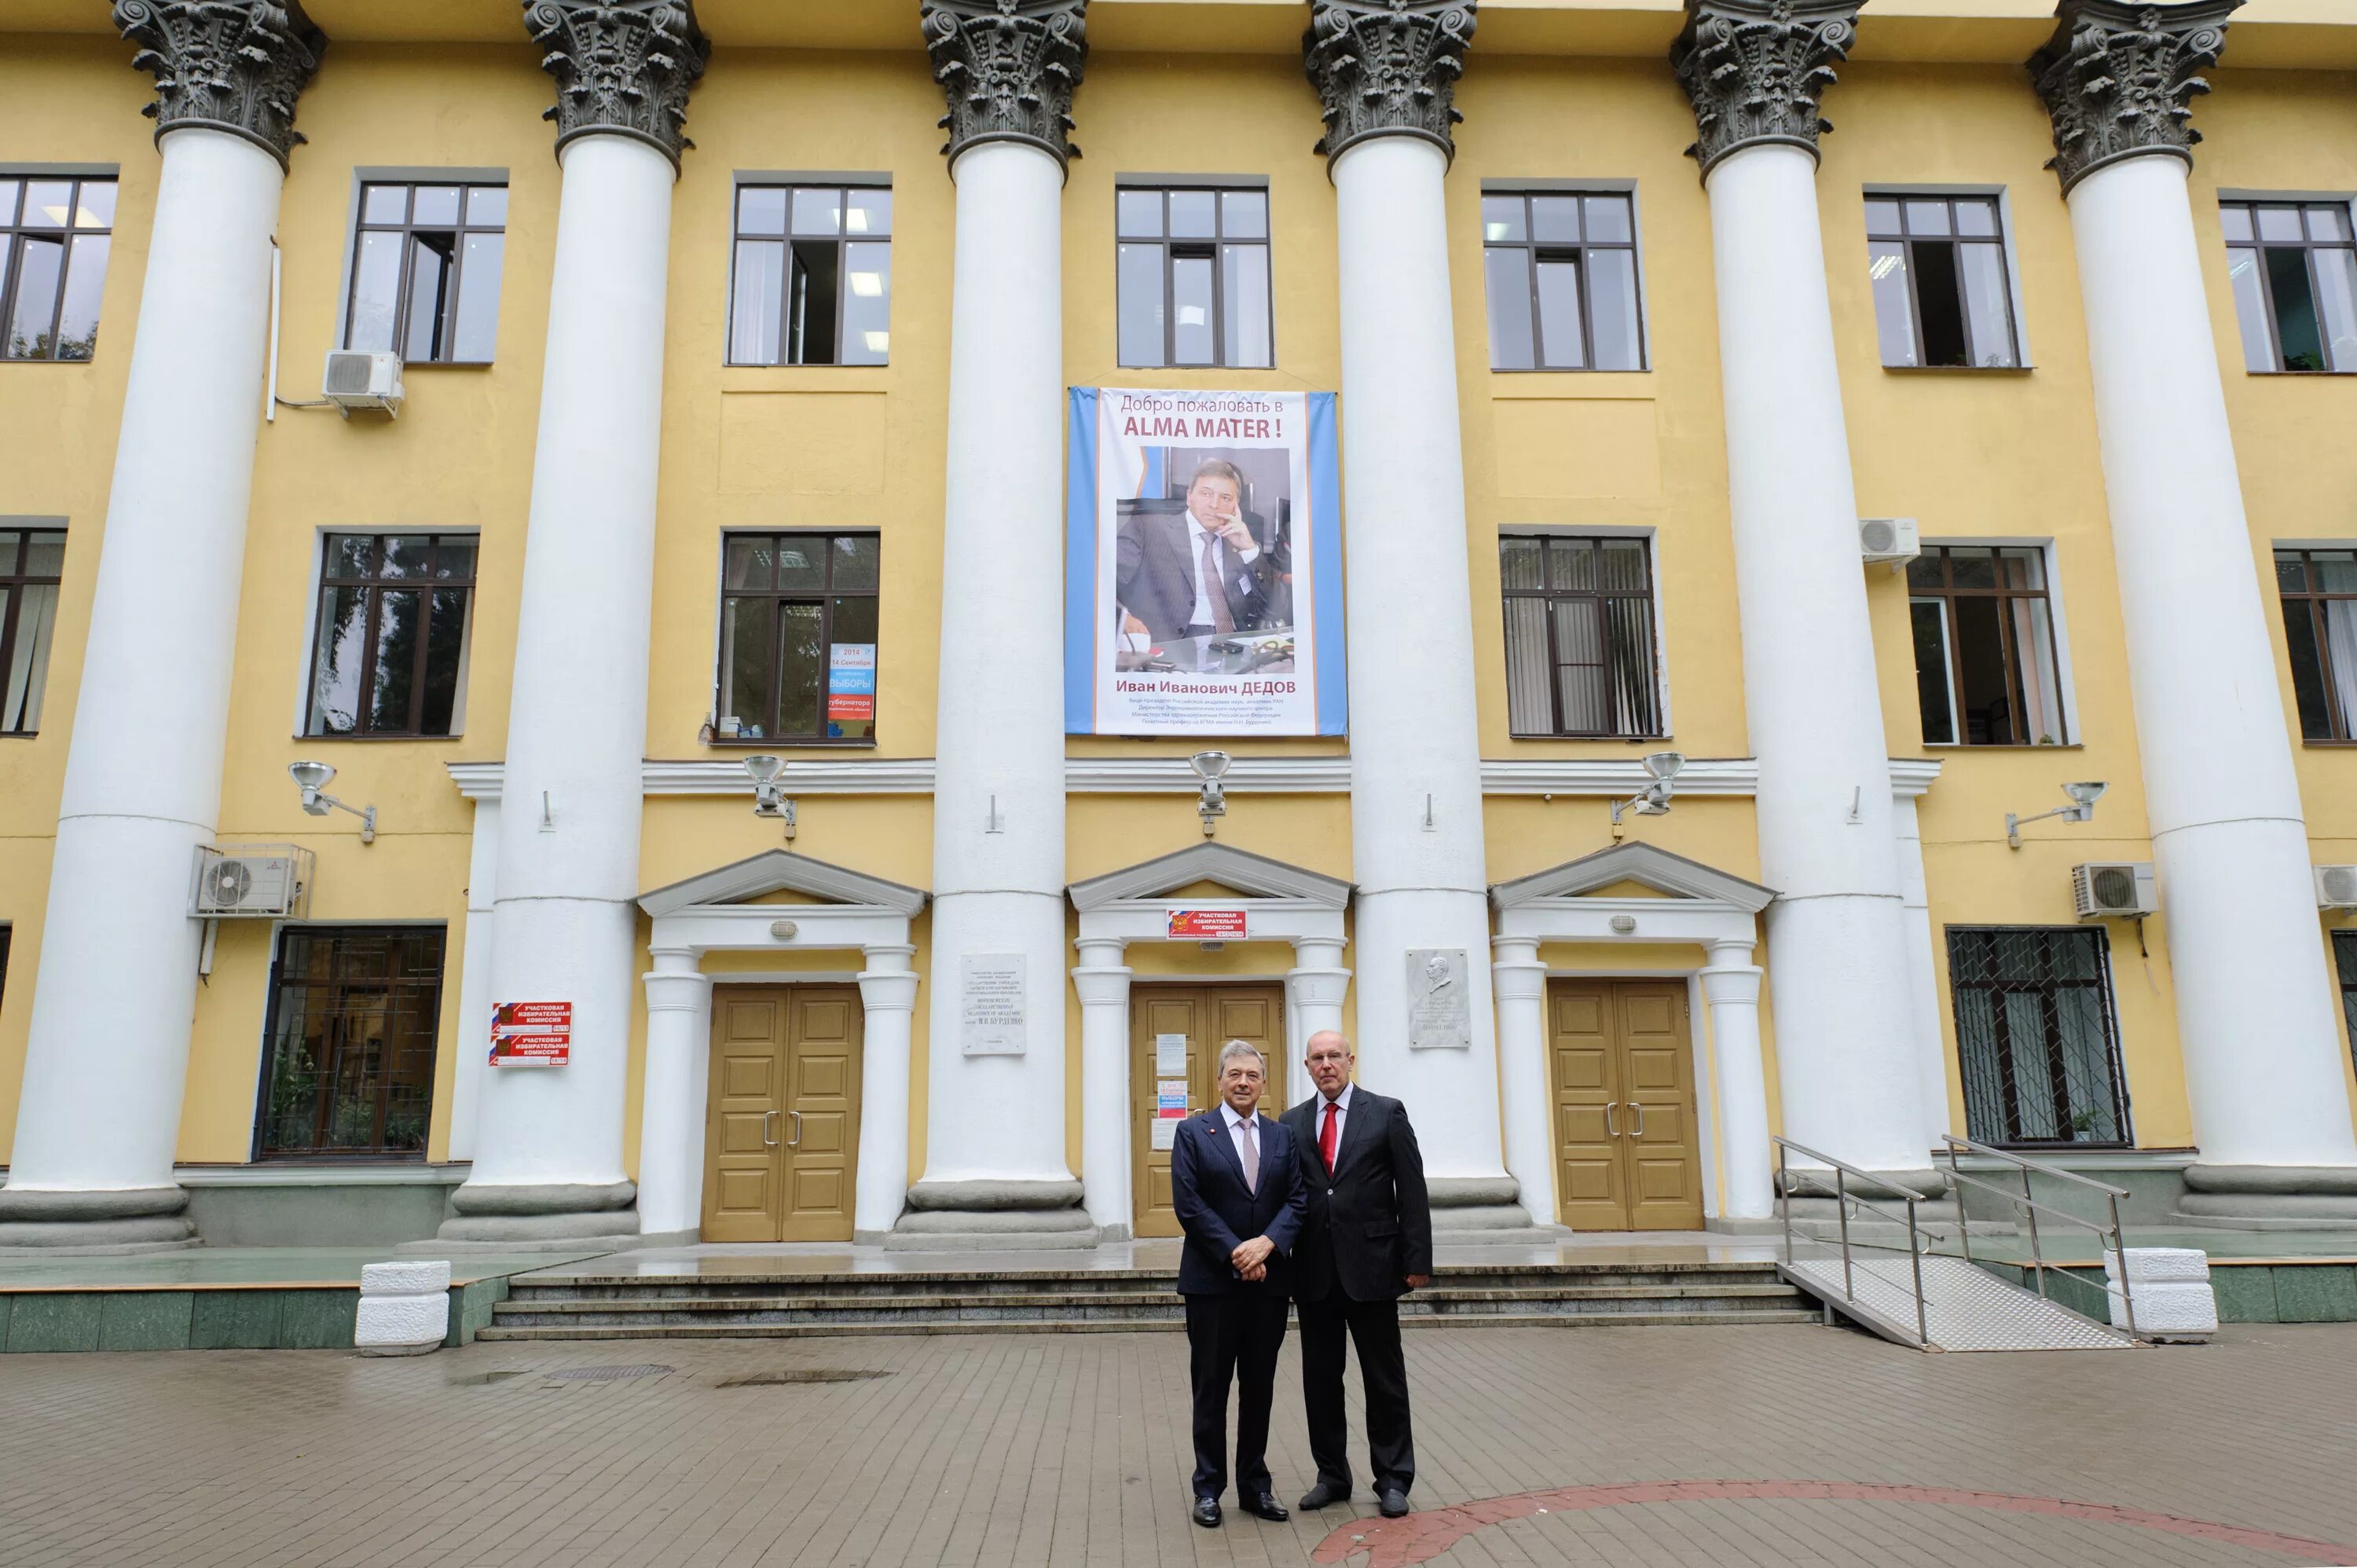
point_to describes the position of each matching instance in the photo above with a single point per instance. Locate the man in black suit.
(1199, 571)
(1236, 1184)
(1367, 1244)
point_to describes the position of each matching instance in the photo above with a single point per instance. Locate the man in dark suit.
(1236, 1184)
(1367, 1244)
(1199, 571)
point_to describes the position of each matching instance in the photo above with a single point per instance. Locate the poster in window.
(1203, 579)
(850, 685)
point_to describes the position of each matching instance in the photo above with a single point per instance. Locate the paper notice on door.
(1170, 1056)
(1162, 1136)
(1170, 1099)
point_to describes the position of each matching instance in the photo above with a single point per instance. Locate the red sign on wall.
(1207, 925)
(532, 1034)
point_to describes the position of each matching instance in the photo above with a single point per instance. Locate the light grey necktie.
(1251, 1157)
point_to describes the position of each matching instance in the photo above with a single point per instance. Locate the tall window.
(1985, 666)
(813, 277)
(2294, 274)
(2036, 1037)
(1191, 271)
(391, 655)
(1561, 272)
(2320, 611)
(31, 563)
(2344, 960)
(54, 239)
(426, 272)
(798, 637)
(347, 1064)
(1940, 296)
(1579, 637)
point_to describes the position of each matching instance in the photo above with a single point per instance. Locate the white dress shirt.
(1195, 534)
(1238, 1136)
(1341, 1103)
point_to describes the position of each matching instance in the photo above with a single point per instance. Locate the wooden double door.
(782, 1143)
(1206, 1017)
(1624, 1105)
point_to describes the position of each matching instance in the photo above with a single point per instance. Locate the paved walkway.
(1628, 1447)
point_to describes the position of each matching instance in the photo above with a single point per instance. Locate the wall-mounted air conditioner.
(1892, 538)
(2115, 889)
(2336, 886)
(353, 379)
(266, 881)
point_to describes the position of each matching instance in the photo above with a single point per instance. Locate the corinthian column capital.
(623, 67)
(1008, 69)
(1756, 69)
(1387, 68)
(2117, 78)
(227, 65)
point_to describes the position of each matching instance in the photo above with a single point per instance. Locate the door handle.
(1610, 1130)
(768, 1117)
(796, 1141)
(1639, 1131)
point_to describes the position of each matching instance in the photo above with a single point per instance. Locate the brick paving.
(1653, 1447)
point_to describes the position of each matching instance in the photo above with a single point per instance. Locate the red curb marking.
(1421, 1537)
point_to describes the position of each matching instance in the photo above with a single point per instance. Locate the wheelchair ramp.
(1965, 1307)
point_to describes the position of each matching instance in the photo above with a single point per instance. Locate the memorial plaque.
(991, 1000)
(1439, 1008)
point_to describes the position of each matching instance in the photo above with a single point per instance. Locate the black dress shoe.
(1207, 1512)
(1324, 1494)
(1392, 1501)
(1265, 1506)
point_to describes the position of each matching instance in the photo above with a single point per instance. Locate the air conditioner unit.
(1888, 539)
(355, 379)
(260, 881)
(2336, 886)
(2115, 889)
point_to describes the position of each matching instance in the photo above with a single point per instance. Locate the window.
(798, 637)
(31, 563)
(426, 272)
(2035, 1036)
(54, 239)
(1191, 271)
(1941, 294)
(2344, 963)
(1561, 272)
(811, 281)
(2320, 611)
(348, 1061)
(2294, 269)
(1579, 637)
(390, 658)
(1985, 666)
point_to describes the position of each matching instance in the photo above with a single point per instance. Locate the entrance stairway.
(587, 1306)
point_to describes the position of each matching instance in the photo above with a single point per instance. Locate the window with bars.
(55, 236)
(2294, 269)
(1986, 671)
(1941, 293)
(347, 1064)
(2320, 611)
(1560, 270)
(390, 655)
(2344, 960)
(1579, 636)
(32, 565)
(1190, 271)
(798, 638)
(2036, 1036)
(811, 279)
(425, 273)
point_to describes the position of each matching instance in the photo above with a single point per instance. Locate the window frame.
(1523, 190)
(2017, 331)
(374, 586)
(822, 597)
(2057, 643)
(2342, 723)
(13, 233)
(2344, 977)
(259, 1153)
(790, 181)
(2251, 202)
(13, 580)
(1218, 188)
(2106, 988)
(1595, 538)
(465, 181)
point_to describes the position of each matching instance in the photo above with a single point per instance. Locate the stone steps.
(1121, 1326)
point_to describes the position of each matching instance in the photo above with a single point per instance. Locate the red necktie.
(1327, 1138)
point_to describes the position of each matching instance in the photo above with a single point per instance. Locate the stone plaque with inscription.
(991, 1003)
(1439, 1010)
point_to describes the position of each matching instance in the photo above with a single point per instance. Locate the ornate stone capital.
(1386, 68)
(1008, 69)
(1756, 69)
(623, 67)
(228, 65)
(2117, 79)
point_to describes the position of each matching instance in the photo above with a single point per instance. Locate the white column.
(1846, 1037)
(1103, 982)
(1520, 982)
(1730, 985)
(470, 1066)
(888, 996)
(1314, 989)
(678, 1069)
(998, 784)
(115, 992)
(2254, 1005)
(1922, 971)
(1415, 755)
(567, 922)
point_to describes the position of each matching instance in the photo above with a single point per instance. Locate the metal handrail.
(2114, 1238)
(1843, 1170)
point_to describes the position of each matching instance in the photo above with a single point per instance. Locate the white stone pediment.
(1251, 875)
(1672, 876)
(781, 871)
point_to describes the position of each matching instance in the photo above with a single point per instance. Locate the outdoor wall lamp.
(2082, 808)
(1654, 799)
(769, 794)
(1213, 803)
(313, 777)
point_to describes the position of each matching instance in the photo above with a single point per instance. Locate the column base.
(552, 1218)
(993, 1217)
(1481, 1211)
(109, 1220)
(2269, 1198)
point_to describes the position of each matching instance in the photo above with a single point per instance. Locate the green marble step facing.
(2252, 1290)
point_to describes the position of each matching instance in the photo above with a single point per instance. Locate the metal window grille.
(347, 1067)
(1579, 636)
(2036, 1037)
(1191, 277)
(55, 236)
(2320, 612)
(2293, 268)
(798, 638)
